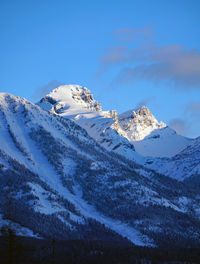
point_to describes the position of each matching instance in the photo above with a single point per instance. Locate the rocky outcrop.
(139, 124)
(86, 96)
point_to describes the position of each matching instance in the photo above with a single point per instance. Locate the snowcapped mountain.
(77, 103)
(57, 181)
(133, 130)
(150, 137)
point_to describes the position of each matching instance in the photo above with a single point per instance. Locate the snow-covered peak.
(149, 136)
(138, 124)
(70, 100)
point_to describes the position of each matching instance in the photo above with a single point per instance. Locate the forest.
(22, 250)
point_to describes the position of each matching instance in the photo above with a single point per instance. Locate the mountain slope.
(183, 166)
(58, 182)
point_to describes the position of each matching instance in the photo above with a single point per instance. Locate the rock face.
(111, 114)
(85, 96)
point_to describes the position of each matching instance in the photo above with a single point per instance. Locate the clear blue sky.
(126, 52)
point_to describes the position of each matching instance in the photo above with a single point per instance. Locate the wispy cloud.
(173, 64)
(190, 123)
(45, 89)
(179, 125)
(193, 109)
(129, 34)
(192, 115)
(144, 102)
(114, 55)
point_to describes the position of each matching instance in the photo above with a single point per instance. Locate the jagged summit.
(71, 100)
(139, 123)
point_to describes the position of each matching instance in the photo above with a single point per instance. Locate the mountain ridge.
(140, 128)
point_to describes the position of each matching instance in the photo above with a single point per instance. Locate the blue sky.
(128, 53)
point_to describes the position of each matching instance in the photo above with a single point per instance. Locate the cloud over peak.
(45, 89)
(179, 125)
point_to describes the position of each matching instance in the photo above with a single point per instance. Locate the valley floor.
(23, 250)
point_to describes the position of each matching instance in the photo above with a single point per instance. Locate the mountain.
(76, 102)
(149, 136)
(183, 167)
(129, 134)
(58, 182)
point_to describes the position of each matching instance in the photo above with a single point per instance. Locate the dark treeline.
(23, 250)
